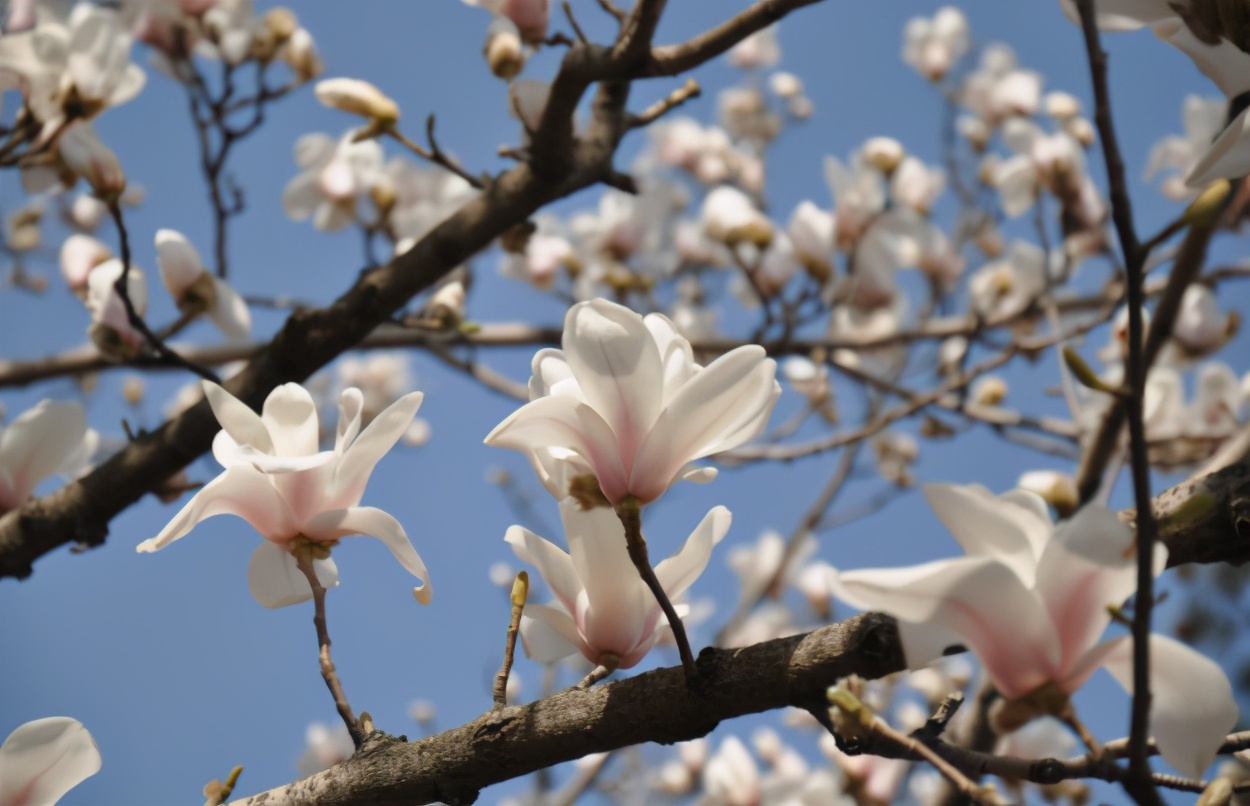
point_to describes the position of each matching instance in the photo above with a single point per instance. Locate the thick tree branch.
(657, 706)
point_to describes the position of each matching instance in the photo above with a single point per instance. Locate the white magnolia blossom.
(812, 232)
(767, 562)
(916, 185)
(324, 746)
(278, 480)
(110, 328)
(1008, 287)
(1053, 162)
(49, 439)
(625, 402)
(382, 378)
(1203, 120)
(548, 251)
(760, 49)
(1031, 600)
(333, 177)
(933, 45)
(232, 29)
(707, 153)
(42, 760)
(84, 155)
(732, 777)
(603, 609)
(413, 199)
(196, 290)
(83, 59)
(530, 17)
(80, 254)
(1201, 327)
(730, 217)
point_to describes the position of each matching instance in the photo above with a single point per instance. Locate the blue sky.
(167, 659)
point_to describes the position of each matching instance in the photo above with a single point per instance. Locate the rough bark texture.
(657, 706)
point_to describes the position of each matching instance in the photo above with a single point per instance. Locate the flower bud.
(281, 23)
(84, 155)
(132, 390)
(989, 391)
(503, 51)
(301, 54)
(358, 98)
(883, 153)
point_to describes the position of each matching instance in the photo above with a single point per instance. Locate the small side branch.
(662, 107)
(304, 561)
(520, 591)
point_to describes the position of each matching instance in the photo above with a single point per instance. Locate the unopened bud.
(301, 54)
(504, 54)
(132, 390)
(281, 22)
(989, 391)
(358, 98)
(883, 153)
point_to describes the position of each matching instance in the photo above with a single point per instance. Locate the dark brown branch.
(653, 707)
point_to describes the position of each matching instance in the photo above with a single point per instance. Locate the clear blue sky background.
(167, 659)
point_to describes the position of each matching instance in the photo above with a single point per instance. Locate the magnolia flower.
(110, 328)
(760, 49)
(1031, 600)
(85, 155)
(80, 254)
(324, 746)
(730, 217)
(625, 401)
(333, 175)
(812, 231)
(1007, 288)
(196, 290)
(1203, 119)
(48, 439)
(603, 609)
(998, 88)
(932, 46)
(44, 759)
(278, 481)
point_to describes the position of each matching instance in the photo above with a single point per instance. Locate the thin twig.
(662, 107)
(304, 561)
(434, 154)
(630, 513)
(1138, 785)
(520, 590)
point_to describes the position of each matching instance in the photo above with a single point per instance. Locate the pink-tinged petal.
(1192, 708)
(242, 491)
(988, 526)
(677, 573)
(561, 421)
(615, 610)
(243, 425)
(231, 314)
(375, 523)
(359, 458)
(924, 643)
(982, 600)
(38, 444)
(549, 635)
(552, 563)
(333, 216)
(290, 417)
(1227, 158)
(44, 759)
(719, 408)
(311, 149)
(617, 366)
(276, 581)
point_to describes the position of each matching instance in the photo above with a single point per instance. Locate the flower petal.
(230, 454)
(276, 581)
(1192, 708)
(678, 572)
(235, 417)
(242, 491)
(724, 405)
(551, 561)
(617, 367)
(290, 417)
(375, 523)
(231, 314)
(981, 599)
(359, 458)
(44, 759)
(39, 443)
(548, 634)
(989, 526)
(1228, 157)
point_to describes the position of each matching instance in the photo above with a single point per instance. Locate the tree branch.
(657, 706)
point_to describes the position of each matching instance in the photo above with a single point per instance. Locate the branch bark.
(658, 706)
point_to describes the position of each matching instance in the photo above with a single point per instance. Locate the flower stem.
(630, 514)
(303, 561)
